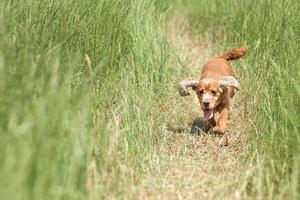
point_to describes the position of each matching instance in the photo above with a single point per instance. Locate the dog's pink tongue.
(208, 114)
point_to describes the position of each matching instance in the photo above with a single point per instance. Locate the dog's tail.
(234, 53)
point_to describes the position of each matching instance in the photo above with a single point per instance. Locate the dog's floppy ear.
(229, 81)
(185, 84)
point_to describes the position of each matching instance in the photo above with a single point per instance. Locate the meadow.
(271, 30)
(86, 88)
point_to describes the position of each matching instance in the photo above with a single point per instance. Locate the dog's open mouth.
(208, 114)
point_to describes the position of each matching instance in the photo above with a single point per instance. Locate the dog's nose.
(206, 104)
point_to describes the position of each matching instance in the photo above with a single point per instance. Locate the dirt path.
(195, 166)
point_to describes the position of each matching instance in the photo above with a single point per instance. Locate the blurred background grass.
(82, 80)
(77, 79)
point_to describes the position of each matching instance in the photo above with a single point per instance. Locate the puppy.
(215, 88)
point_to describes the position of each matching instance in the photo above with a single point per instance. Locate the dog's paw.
(218, 130)
(223, 141)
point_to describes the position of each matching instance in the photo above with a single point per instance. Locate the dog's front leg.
(212, 122)
(223, 121)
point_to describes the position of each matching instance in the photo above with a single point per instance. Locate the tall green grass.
(271, 79)
(81, 81)
(78, 80)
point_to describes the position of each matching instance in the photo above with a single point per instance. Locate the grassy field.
(271, 76)
(87, 90)
(79, 81)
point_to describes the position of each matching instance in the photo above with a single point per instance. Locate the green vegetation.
(77, 77)
(83, 82)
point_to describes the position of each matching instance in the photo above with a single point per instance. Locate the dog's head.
(209, 92)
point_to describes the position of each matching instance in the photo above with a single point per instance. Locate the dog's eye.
(213, 92)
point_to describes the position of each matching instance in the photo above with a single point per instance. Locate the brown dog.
(215, 88)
